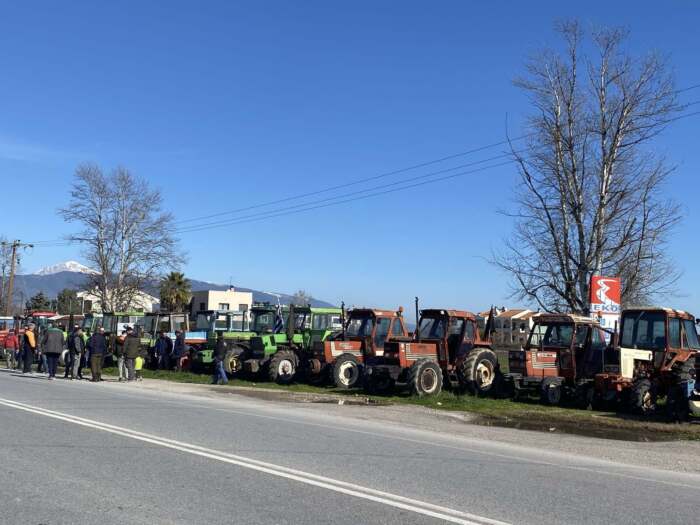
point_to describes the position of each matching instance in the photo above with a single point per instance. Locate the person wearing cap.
(119, 352)
(132, 350)
(97, 346)
(28, 348)
(52, 343)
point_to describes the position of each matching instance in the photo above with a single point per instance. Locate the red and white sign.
(605, 300)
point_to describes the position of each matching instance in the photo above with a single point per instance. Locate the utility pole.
(14, 245)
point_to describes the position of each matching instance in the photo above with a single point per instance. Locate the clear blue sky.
(233, 103)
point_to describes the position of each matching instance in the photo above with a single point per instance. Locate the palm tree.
(175, 292)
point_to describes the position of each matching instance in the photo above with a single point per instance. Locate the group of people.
(21, 351)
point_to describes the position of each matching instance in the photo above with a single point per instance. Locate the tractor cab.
(263, 318)
(452, 332)
(90, 324)
(222, 321)
(657, 352)
(372, 328)
(567, 346)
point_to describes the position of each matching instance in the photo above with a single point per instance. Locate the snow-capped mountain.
(67, 266)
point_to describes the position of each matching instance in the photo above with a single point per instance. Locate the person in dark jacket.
(97, 345)
(180, 349)
(28, 348)
(78, 351)
(163, 349)
(132, 349)
(71, 354)
(219, 355)
(52, 343)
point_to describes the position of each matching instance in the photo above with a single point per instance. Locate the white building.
(221, 300)
(143, 302)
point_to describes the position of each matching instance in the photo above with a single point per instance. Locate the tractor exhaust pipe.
(488, 328)
(417, 332)
(290, 323)
(342, 319)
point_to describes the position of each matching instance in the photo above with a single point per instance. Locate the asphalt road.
(77, 452)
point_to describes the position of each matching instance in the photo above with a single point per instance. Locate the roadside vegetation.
(527, 414)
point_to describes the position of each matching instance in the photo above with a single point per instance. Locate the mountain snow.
(67, 266)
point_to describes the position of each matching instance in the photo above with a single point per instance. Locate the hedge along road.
(167, 457)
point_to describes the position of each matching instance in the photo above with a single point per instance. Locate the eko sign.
(605, 300)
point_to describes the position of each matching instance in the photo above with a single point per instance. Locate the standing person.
(28, 348)
(179, 350)
(219, 354)
(11, 347)
(132, 350)
(97, 346)
(52, 343)
(79, 350)
(70, 356)
(163, 348)
(121, 361)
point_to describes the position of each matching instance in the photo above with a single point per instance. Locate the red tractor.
(655, 359)
(342, 357)
(446, 346)
(561, 358)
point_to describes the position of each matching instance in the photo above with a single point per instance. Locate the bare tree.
(301, 298)
(128, 239)
(591, 199)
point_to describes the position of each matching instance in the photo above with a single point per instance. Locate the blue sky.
(223, 105)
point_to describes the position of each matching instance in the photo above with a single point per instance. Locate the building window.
(224, 306)
(242, 307)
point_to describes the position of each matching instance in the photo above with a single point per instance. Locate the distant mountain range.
(71, 274)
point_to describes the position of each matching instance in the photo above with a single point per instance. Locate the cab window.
(581, 335)
(691, 335)
(397, 328)
(382, 330)
(674, 332)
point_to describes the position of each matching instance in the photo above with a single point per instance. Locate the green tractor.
(279, 355)
(237, 329)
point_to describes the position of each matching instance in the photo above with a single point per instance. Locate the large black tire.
(425, 378)
(232, 362)
(642, 397)
(347, 371)
(283, 367)
(480, 373)
(550, 391)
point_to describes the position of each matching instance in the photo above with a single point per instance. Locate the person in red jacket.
(11, 349)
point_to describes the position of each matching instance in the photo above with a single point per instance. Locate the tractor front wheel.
(232, 362)
(642, 397)
(347, 372)
(550, 391)
(283, 367)
(480, 372)
(425, 378)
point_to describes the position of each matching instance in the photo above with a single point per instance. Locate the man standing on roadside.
(180, 349)
(132, 349)
(119, 352)
(52, 345)
(79, 350)
(163, 349)
(97, 345)
(219, 354)
(28, 348)
(11, 347)
(70, 356)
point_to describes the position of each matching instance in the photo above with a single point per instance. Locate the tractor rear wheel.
(480, 372)
(283, 367)
(550, 391)
(347, 372)
(642, 397)
(232, 362)
(425, 378)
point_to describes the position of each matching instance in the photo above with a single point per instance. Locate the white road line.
(350, 489)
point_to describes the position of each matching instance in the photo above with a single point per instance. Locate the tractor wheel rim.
(646, 400)
(348, 373)
(285, 367)
(484, 373)
(428, 381)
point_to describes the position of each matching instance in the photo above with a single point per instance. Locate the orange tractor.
(446, 347)
(655, 359)
(563, 354)
(365, 333)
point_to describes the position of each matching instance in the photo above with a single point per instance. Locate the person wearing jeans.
(121, 360)
(219, 355)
